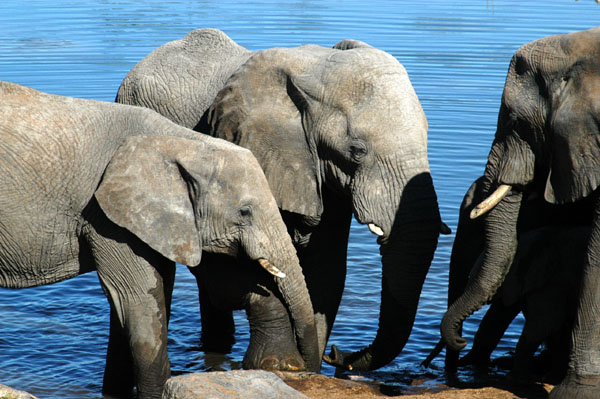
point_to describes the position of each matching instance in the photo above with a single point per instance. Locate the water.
(53, 338)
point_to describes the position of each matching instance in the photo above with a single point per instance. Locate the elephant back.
(180, 79)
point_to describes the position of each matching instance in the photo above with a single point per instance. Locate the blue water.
(53, 338)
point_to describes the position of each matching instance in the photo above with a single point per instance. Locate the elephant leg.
(218, 326)
(119, 379)
(583, 375)
(491, 329)
(135, 278)
(324, 265)
(531, 338)
(272, 339)
(558, 346)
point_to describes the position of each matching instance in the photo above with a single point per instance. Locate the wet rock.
(7, 392)
(247, 384)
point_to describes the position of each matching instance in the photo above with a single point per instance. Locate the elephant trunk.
(295, 294)
(468, 245)
(406, 256)
(500, 244)
(279, 258)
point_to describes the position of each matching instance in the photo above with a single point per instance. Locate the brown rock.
(318, 386)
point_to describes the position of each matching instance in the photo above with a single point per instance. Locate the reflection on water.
(53, 338)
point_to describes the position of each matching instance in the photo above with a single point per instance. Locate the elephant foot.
(275, 363)
(287, 364)
(577, 387)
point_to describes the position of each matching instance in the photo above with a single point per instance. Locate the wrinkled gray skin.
(92, 185)
(543, 283)
(547, 144)
(339, 132)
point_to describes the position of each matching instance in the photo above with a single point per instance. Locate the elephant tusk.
(490, 201)
(375, 230)
(268, 266)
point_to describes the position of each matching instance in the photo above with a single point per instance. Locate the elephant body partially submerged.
(88, 185)
(339, 132)
(547, 144)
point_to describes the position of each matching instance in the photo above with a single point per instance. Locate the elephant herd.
(297, 142)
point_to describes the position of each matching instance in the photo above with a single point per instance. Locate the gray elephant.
(89, 185)
(546, 144)
(338, 132)
(543, 284)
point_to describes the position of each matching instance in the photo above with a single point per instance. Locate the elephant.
(91, 185)
(339, 132)
(542, 283)
(546, 145)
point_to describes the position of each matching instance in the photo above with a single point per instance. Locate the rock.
(247, 384)
(7, 392)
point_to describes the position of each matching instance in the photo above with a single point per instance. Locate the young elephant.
(91, 185)
(339, 132)
(543, 283)
(546, 145)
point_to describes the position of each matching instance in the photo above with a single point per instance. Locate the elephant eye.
(358, 150)
(246, 211)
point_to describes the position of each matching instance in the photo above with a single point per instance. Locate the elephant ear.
(268, 106)
(147, 191)
(565, 69)
(575, 167)
(575, 135)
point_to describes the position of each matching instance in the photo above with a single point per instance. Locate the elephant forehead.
(391, 107)
(583, 44)
(577, 110)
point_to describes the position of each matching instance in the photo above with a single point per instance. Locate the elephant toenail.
(292, 364)
(269, 363)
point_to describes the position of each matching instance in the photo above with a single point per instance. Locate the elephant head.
(547, 143)
(348, 121)
(206, 196)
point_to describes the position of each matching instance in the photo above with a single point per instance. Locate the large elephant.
(546, 144)
(339, 132)
(89, 185)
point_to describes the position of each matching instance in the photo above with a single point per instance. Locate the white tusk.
(490, 201)
(375, 230)
(268, 266)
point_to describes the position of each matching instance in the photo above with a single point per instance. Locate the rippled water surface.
(53, 338)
